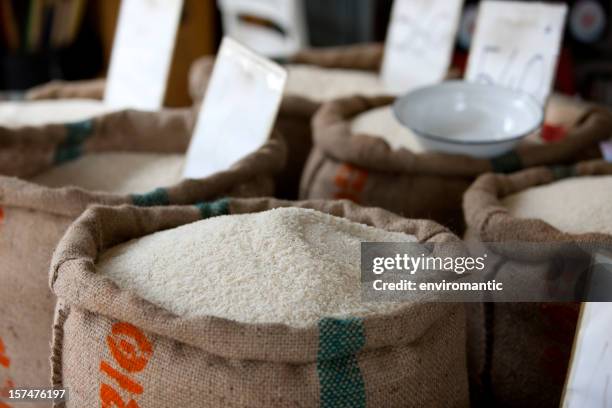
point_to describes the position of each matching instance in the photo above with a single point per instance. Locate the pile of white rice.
(574, 205)
(382, 122)
(286, 265)
(121, 173)
(37, 113)
(324, 84)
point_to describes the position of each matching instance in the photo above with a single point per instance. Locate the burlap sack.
(33, 217)
(519, 352)
(296, 112)
(430, 185)
(413, 357)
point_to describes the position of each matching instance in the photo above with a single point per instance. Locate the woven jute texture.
(412, 357)
(519, 352)
(363, 168)
(34, 217)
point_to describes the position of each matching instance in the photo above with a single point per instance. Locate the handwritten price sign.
(419, 43)
(516, 45)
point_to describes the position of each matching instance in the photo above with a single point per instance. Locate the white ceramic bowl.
(469, 118)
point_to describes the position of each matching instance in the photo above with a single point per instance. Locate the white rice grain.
(38, 113)
(121, 173)
(574, 205)
(382, 122)
(287, 265)
(324, 84)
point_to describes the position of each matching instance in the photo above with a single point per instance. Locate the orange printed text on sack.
(131, 351)
(350, 182)
(7, 384)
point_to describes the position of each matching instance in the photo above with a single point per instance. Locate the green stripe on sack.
(214, 208)
(340, 378)
(159, 196)
(72, 146)
(507, 163)
(562, 172)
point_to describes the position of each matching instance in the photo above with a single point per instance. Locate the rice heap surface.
(382, 122)
(117, 172)
(37, 113)
(575, 205)
(323, 84)
(286, 265)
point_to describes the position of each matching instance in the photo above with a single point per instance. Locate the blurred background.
(41, 40)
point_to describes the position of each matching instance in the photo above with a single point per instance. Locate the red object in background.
(552, 133)
(459, 61)
(564, 81)
(562, 319)
(555, 361)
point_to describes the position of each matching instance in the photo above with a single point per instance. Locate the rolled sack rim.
(333, 136)
(492, 222)
(66, 144)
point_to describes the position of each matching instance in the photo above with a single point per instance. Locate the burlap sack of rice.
(519, 352)
(315, 76)
(51, 174)
(249, 318)
(362, 154)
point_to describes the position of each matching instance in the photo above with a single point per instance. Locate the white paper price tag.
(516, 45)
(419, 43)
(589, 383)
(238, 112)
(590, 380)
(142, 53)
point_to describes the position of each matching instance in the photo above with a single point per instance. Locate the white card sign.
(516, 45)
(280, 33)
(590, 379)
(589, 383)
(142, 53)
(419, 43)
(239, 110)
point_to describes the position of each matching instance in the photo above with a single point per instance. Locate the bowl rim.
(438, 138)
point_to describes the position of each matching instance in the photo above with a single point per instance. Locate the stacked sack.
(519, 352)
(246, 302)
(360, 153)
(51, 174)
